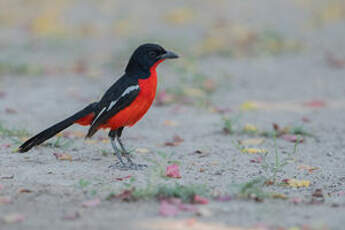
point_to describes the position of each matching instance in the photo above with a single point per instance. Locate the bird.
(122, 105)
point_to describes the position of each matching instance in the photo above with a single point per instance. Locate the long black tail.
(53, 130)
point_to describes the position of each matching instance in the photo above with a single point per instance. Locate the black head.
(146, 56)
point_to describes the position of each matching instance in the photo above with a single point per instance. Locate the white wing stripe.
(127, 91)
(100, 113)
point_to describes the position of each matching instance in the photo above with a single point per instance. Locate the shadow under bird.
(122, 105)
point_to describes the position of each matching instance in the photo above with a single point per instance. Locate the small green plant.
(300, 130)
(273, 168)
(14, 134)
(20, 68)
(20, 133)
(185, 192)
(253, 189)
(62, 142)
(83, 183)
(230, 123)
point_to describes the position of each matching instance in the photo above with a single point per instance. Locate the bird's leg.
(124, 151)
(112, 135)
(126, 154)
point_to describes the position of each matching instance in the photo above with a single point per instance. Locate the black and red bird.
(123, 104)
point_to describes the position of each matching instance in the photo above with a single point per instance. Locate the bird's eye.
(152, 54)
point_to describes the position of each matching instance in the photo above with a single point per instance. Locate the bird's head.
(147, 56)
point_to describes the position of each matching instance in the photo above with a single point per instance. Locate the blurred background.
(222, 44)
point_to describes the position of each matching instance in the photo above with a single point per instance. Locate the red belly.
(135, 111)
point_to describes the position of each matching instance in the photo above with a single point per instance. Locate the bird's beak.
(169, 55)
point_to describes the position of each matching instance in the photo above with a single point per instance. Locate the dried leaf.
(310, 169)
(5, 200)
(123, 178)
(170, 123)
(253, 150)
(249, 105)
(279, 196)
(252, 141)
(10, 111)
(318, 193)
(296, 183)
(221, 110)
(142, 150)
(91, 203)
(276, 127)
(177, 140)
(173, 171)
(257, 160)
(125, 195)
(24, 190)
(63, 156)
(334, 61)
(249, 128)
(13, 218)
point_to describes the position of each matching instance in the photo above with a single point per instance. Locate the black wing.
(118, 96)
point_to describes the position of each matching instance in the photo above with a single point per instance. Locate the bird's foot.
(127, 166)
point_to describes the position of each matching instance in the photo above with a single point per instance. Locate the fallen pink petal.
(173, 171)
(168, 209)
(315, 104)
(292, 138)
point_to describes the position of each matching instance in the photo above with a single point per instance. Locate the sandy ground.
(278, 84)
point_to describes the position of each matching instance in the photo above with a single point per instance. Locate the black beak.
(168, 55)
